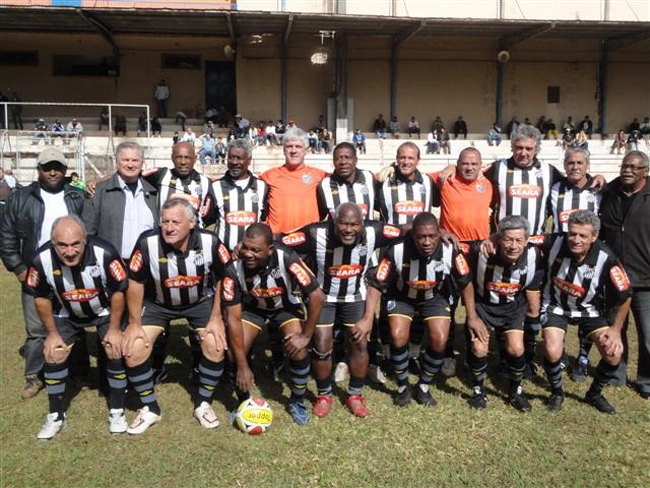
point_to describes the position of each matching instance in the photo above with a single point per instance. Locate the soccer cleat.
(554, 403)
(357, 405)
(298, 412)
(478, 400)
(600, 403)
(322, 405)
(519, 401)
(424, 397)
(403, 398)
(33, 385)
(206, 416)
(579, 373)
(530, 371)
(117, 421)
(341, 372)
(145, 419)
(52, 426)
(448, 368)
(376, 374)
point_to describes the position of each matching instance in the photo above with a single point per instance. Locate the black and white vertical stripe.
(197, 186)
(420, 278)
(400, 200)
(566, 198)
(333, 191)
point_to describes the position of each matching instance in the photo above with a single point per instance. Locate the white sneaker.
(117, 421)
(206, 416)
(341, 372)
(52, 426)
(143, 421)
(376, 375)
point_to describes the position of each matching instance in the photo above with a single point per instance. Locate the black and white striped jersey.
(566, 198)
(270, 288)
(178, 279)
(238, 208)
(497, 282)
(399, 199)
(583, 289)
(83, 291)
(404, 274)
(340, 269)
(523, 191)
(196, 186)
(333, 191)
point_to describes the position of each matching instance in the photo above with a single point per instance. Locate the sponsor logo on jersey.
(383, 270)
(564, 216)
(345, 271)
(300, 274)
(223, 253)
(409, 207)
(241, 217)
(294, 239)
(422, 284)
(117, 271)
(80, 295)
(461, 265)
(619, 278)
(524, 191)
(391, 231)
(137, 261)
(228, 289)
(536, 240)
(182, 281)
(273, 292)
(33, 277)
(569, 288)
(206, 206)
(504, 289)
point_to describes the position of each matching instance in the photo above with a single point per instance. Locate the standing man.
(173, 274)
(79, 281)
(624, 212)
(292, 186)
(162, 96)
(25, 226)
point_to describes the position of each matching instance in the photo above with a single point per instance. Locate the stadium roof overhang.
(236, 24)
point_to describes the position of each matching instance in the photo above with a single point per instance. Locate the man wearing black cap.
(25, 226)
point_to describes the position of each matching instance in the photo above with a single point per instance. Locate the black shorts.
(436, 308)
(257, 317)
(347, 314)
(505, 318)
(197, 315)
(587, 325)
(70, 328)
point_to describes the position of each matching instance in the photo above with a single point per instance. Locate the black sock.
(478, 368)
(604, 373)
(299, 373)
(209, 375)
(355, 387)
(116, 374)
(141, 379)
(554, 374)
(400, 358)
(431, 364)
(56, 376)
(516, 371)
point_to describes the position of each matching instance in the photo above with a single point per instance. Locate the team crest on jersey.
(300, 274)
(241, 217)
(182, 281)
(198, 191)
(383, 270)
(345, 271)
(439, 266)
(117, 271)
(589, 272)
(56, 272)
(409, 207)
(461, 265)
(272, 292)
(255, 197)
(80, 295)
(480, 188)
(228, 289)
(538, 173)
(524, 191)
(33, 277)
(294, 239)
(569, 288)
(619, 278)
(503, 289)
(422, 284)
(276, 273)
(307, 179)
(362, 250)
(564, 216)
(364, 189)
(423, 190)
(199, 259)
(95, 271)
(391, 231)
(223, 253)
(137, 261)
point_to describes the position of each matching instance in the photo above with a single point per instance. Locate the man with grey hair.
(507, 285)
(292, 201)
(79, 281)
(584, 277)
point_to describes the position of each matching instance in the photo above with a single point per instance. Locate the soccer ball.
(254, 416)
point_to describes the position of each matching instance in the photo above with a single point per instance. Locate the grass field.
(411, 447)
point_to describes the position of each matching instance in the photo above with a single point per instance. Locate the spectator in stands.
(325, 140)
(527, 122)
(177, 138)
(567, 139)
(260, 134)
(208, 143)
(210, 115)
(320, 124)
(393, 127)
(359, 141)
(494, 135)
(541, 125)
(291, 125)
(279, 131)
(551, 130)
(208, 128)
(587, 125)
(242, 125)
(142, 123)
(379, 127)
(569, 124)
(221, 149)
(619, 142)
(312, 140)
(180, 119)
(58, 129)
(443, 140)
(156, 127)
(413, 127)
(223, 117)
(16, 111)
(40, 131)
(269, 130)
(74, 126)
(645, 131)
(4, 124)
(581, 140)
(76, 182)
(634, 125)
(633, 140)
(162, 97)
(512, 126)
(120, 125)
(460, 127)
(433, 145)
(189, 136)
(103, 118)
(438, 124)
